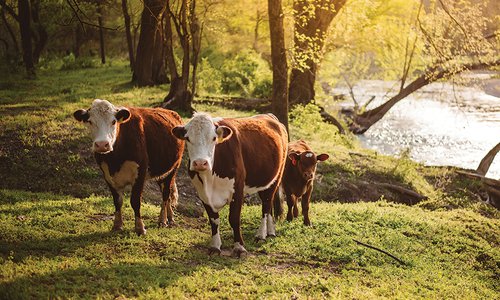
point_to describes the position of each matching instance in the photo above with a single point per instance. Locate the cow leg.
(296, 207)
(267, 227)
(305, 205)
(135, 202)
(291, 203)
(235, 221)
(118, 202)
(214, 219)
(170, 196)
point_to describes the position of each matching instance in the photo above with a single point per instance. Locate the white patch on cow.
(271, 228)
(309, 154)
(102, 122)
(238, 248)
(201, 139)
(215, 221)
(262, 231)
(249, 190)
(125, 176)
(214, 190)
(217, 119)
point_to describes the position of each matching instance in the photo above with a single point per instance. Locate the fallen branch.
(380, 250)
(403, 190)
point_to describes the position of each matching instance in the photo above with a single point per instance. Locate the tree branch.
(9, 10)
(380, 250)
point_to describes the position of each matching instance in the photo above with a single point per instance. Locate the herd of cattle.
(228, 159)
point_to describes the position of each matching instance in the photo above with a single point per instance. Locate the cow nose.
(200, 164)
(309, 175)
(102, 146)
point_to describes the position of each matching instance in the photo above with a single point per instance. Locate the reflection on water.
(441, 124)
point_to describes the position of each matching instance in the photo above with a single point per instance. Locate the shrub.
(70, 62)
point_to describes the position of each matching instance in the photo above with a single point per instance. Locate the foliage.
(69, 62)
(246, 74)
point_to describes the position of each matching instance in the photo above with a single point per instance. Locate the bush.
(246, 74)
(209, 79)
(70, 62)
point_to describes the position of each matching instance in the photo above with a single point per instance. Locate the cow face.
(201, 135)
(305, 163)
(103, 119)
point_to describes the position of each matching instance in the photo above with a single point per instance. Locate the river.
(442, 124)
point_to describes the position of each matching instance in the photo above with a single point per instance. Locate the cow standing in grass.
(298, 178)
(229, 158)
(131, 145)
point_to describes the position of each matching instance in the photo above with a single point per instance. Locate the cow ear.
(294, 157)
(81, 115)
(223, 133)
(123, 115)
(179, 132)
(322, 157)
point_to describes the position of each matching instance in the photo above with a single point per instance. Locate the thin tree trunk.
(25, 28)
(41, 37)
(10, 31)
(485, 163)
(309, 38)
(280, 66)
(101, 32)
(195, 28)
(130, 43)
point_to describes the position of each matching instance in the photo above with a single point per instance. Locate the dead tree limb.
(404, 191)
(380, 250)
(485, 163)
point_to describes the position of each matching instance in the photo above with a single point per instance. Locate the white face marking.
(262, 231)
(214, 191)
(309, 154)
(125, 176)
(102, 122)
(201, 139)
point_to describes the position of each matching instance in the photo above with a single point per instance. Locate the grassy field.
(56, 215)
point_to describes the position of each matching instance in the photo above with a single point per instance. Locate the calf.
(298, 178)
(131, 145)
(229, 158)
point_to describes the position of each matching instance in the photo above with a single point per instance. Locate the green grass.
(60, 247)
(56, 215)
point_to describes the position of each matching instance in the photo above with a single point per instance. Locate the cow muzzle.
(102, 147)
(308, 175)
(200, 165)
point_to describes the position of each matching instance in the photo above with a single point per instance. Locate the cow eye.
(90, 122)
(213, 139)
(113, 122)
(187, 139)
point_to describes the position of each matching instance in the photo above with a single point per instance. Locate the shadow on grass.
(108, 281)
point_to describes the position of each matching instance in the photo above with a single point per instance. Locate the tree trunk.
(41, 37)
(309, 37)
(149, 41)
(195, 30)
(10, 31)
(278, 57)
(101, 32)
(485, 163)
(180, 97)
(360, 123)
(25, 28)
(128, 33)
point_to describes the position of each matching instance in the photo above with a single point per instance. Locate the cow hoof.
(308, 224)
(213, 250)
(259, 239)
(239, 251)
(116, 228)
(272, 235)
(140, 231)
(171, 223)
(162, 224)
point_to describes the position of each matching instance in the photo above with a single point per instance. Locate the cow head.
(305, 163)
(201, 135)
(103, 119)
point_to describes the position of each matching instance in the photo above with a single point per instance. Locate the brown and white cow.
(298, 178)
(131, 145)
(229, 158)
